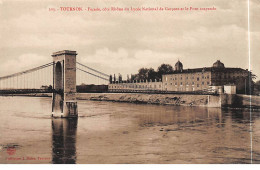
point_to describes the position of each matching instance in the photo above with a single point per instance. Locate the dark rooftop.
(208, 69)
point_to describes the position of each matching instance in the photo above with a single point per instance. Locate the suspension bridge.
(40, 79)
(59, 77)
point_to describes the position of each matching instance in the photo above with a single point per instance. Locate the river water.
(108, 132)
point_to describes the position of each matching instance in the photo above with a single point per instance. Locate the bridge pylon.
(64, 102)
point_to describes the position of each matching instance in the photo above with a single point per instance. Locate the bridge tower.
(64, 102)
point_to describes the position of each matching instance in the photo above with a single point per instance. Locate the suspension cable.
(27, 71)
(92, 74)
(93, 69)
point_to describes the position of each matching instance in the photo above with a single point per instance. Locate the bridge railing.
(26, 91)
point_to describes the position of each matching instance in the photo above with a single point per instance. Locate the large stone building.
(198, 79)
(205, 78)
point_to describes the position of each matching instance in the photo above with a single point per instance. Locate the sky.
(123, 42)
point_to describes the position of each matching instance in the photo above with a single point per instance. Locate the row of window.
(229, 76)
(198, 78)
(154, 86)
(187, 83)
(135, 86)
(185, 89)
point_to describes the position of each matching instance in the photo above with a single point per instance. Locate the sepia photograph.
(130, 82)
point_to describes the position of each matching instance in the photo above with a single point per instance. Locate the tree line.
(150, 73)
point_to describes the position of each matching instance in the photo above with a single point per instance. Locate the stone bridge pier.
(64, 102)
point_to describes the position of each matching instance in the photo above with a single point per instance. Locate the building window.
(192, 83)
(203, 83)
(181, 83)
(198, 78)
(171, 83)
(198, 85)
(207, 83)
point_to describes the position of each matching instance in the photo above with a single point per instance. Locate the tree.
(142, 74)
(164, 69)
(250, 85)
(252, 76)
(152, 74)
(49, 87)
(257, 85)
(110, 79)
(145, 74)
(133, 77)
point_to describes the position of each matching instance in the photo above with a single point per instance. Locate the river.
(107, 132)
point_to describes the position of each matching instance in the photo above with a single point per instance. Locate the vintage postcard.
(129, 82)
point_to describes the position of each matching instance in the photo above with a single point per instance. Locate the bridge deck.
(25, 91)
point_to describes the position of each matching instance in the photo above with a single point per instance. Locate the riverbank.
(162, 99)
(224, 100)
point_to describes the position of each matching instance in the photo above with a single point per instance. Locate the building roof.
(178, 66)
(218, 64)
(208, 69)
(178, 63)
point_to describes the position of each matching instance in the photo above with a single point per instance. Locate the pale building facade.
(136, 86)
(206, 79)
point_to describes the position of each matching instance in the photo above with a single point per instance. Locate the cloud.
(119, 61)
(23, 62)
(123, 42)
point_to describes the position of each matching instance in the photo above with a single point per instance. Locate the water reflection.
(240, 116)
(64, 132)
(182, 116)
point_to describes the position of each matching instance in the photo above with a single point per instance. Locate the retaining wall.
(166, 99)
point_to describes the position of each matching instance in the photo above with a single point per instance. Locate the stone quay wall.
(223, 100)
(163, 99)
